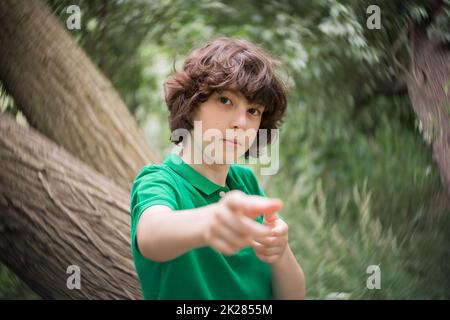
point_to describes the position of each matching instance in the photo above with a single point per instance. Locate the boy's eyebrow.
(240, 95)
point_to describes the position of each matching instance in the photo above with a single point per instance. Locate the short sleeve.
(153, 186)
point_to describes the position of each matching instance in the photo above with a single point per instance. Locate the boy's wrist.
(202, 218)
(283, 258)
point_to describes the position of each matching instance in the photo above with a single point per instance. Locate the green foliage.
(356, 174)
(368, 201)
(441, 26)
(11, 288)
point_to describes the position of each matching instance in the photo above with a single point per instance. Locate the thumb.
(270, 217)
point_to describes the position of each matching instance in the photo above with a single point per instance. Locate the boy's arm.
(163, 234)
(288, 280)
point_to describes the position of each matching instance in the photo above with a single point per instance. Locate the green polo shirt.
(201, 273)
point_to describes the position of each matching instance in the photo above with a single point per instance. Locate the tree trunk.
(429, 91)
(55, 212)
(64, 96)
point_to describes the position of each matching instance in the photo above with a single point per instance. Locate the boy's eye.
(225, 100)
(254, 112)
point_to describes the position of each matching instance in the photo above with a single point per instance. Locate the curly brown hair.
(226, 64)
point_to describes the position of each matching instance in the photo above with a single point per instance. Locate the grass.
(375, 200)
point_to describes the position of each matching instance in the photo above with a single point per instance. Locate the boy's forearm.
(288, 280)
(167, 235)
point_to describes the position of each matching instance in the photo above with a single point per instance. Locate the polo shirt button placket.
(222, 194)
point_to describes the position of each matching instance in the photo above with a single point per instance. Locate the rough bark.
(429, 91)
(56, 211)
(64, 96)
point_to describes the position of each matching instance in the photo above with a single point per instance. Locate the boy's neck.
(216, 173)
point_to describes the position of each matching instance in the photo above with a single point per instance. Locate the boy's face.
(229, 125)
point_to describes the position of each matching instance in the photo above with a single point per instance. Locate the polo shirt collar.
(198, 180)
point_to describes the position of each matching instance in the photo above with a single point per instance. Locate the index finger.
(251, 205)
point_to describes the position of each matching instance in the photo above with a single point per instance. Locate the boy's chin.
(226, 158)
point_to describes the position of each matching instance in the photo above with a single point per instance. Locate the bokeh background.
(357, 175)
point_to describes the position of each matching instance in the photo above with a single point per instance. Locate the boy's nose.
(239, 120)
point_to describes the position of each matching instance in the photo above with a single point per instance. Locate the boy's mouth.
(231, 142)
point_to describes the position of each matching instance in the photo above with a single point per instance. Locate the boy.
(201, 227)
